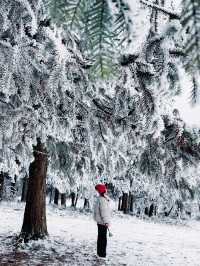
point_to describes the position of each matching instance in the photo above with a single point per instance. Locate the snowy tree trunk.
(146, 211)
(151, 210)
(13, 187)
(34, 224)
(56, 196)
(120, 204)
(51, 195)
(1, 185)
(73, 198)
(63, 200)
(125, 202)
(131, 203)
(76, 200)
(86, 204)
(167, 213)
(24, 188)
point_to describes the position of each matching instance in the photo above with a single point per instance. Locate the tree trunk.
(13, 187)
(73, 197)
(34, 224)
(120, 204)
(86, 204)
(151, 210)
(125, 202)
(146, 211)
(24, 189)
(1, 185)
(76, 200)
(155, 210)
(51, 194)
(63, 200)
(56, 196)
(167, 213)
(131, 202)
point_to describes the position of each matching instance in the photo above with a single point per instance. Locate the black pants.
(101, 240)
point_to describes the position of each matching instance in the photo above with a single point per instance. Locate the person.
(102, 215)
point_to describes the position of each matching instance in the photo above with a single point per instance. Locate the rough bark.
(24, 189)
(63, 200)
(1, 185)
(56, 196)
(34, 224)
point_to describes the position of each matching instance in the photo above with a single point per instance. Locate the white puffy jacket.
(102, 211)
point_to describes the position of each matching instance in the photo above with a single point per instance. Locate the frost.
(116, 129)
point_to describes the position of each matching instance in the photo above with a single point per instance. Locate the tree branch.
(101, 132)
(9, 104)
(170, 13)
(98, 105)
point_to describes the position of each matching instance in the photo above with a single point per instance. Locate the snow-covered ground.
(72, 241)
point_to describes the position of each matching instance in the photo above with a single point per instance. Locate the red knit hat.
(100, 188)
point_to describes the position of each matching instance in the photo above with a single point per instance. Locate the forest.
(87, 93)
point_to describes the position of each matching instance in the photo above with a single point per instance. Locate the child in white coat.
(102, 215)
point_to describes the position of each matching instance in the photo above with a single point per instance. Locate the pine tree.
(102, 26)
(37, 96)
(190, 19)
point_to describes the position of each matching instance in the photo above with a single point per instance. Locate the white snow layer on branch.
(162, 9)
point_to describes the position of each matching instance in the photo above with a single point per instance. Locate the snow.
(140, 29)
(72, 240)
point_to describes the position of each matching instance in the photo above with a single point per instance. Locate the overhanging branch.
(166, 11)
